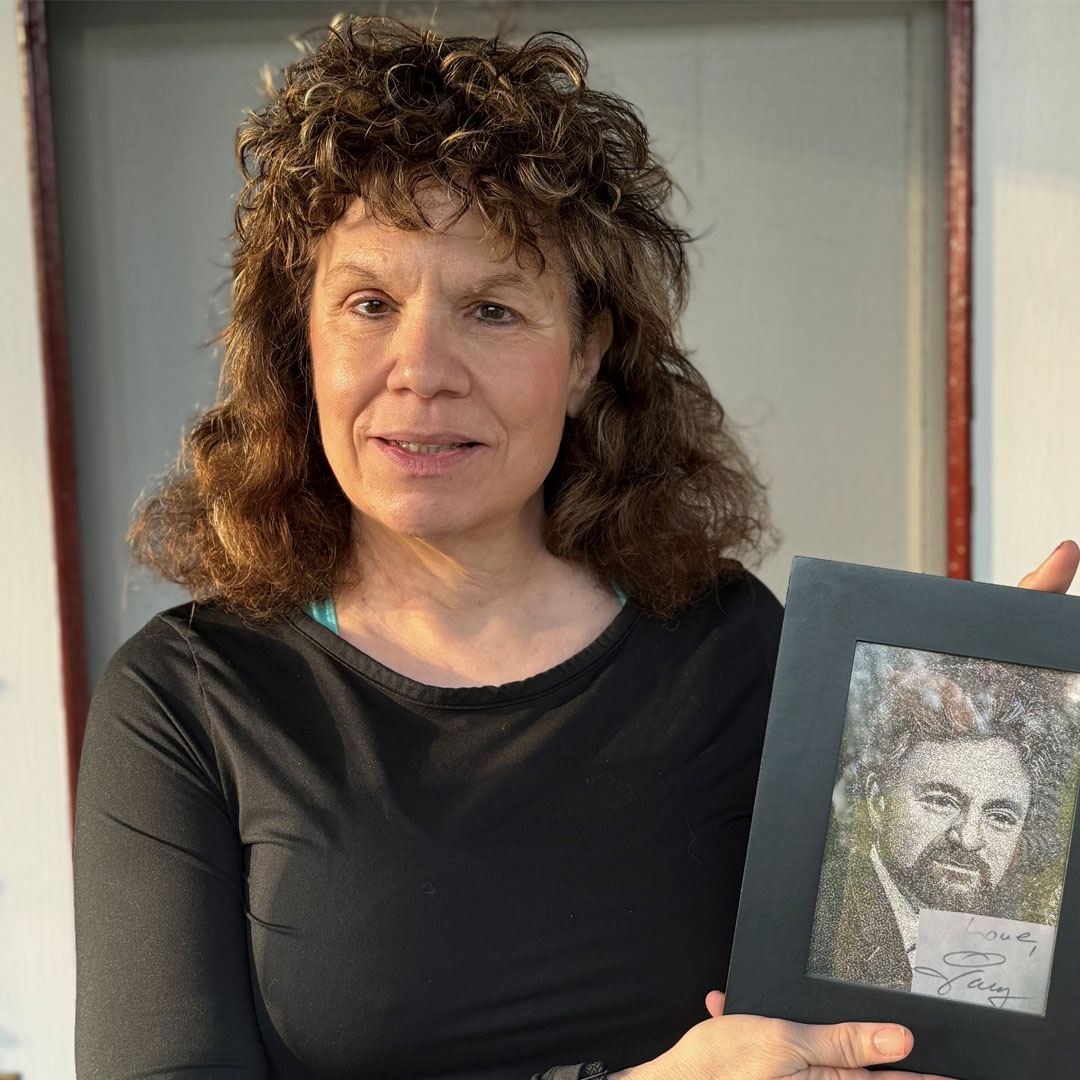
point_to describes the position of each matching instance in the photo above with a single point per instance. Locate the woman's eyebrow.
(351, 268)
(509, 278)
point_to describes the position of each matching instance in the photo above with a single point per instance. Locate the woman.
(449, 771)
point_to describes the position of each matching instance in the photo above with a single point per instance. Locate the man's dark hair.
(966, 698)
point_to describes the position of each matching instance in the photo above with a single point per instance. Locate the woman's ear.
(587, 363)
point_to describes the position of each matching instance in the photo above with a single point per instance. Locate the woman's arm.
(162, 968)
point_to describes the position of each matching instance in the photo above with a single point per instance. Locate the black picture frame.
(831, 606)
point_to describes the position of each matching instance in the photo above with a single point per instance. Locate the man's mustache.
(947, 851)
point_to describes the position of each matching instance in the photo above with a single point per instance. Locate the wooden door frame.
(38, 100)
(959, 30)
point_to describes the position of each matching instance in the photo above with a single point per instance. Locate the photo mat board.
(909, 851)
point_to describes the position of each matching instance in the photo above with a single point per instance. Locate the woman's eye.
(371, 306)
(494, 313)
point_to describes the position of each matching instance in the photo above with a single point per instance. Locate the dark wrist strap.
(591, 1070)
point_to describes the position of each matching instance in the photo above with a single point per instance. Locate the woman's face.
(442, 376)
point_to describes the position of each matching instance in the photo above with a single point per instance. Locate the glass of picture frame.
(909, 855)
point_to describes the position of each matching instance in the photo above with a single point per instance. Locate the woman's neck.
(470, 614)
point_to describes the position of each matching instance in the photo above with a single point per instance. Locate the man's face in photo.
(949, 820)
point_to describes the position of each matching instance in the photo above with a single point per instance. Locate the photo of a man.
(955, 792)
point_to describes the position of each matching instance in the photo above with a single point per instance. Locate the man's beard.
(929, 884)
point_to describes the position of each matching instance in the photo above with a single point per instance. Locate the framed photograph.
(910, 852)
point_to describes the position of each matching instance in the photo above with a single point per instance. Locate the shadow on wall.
(7, 1039)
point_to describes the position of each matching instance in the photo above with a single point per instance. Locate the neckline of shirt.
(470, 697)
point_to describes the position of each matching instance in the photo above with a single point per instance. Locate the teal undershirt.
(323, 611)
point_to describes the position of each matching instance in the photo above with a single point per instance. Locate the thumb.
(1057, 570)
(852, 1046)
(714, 1002)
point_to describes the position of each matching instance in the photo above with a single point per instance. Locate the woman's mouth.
(428, 448)
(433, 456)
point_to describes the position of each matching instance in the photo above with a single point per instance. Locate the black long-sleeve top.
(291, 861)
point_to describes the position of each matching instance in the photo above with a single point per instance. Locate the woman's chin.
(432, 524)
(443, 519)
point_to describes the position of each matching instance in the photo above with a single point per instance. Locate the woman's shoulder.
(156, 650)
(171, 660)
(164, 645)
(737, 595)
(174, 640)
(738, 613)
(171, 689)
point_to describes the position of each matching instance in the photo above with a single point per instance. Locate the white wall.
(37, 960)
(1026, 283)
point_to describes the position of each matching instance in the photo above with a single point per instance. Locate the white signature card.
(1002, 963)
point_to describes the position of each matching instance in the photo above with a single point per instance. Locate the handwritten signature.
(973, 966)
(1024, 938)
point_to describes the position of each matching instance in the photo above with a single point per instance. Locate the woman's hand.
(759, 1048)
(1057, 571)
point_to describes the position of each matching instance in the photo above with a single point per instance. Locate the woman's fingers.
(851, 1046)
(893, 1074)
(826, 1073)
(1057, 570)
(714, 1003)
(746, 1047)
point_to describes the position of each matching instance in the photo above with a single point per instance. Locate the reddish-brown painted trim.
(959, 26)
(50, 287)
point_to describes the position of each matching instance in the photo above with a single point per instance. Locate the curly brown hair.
(649, 489)
(960, 697)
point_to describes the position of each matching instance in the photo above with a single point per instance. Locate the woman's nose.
(426, 358)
